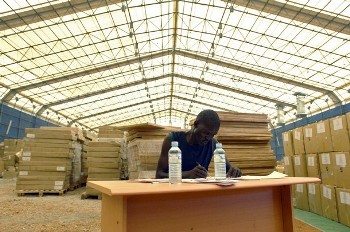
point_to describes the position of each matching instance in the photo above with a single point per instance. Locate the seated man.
(197, 146)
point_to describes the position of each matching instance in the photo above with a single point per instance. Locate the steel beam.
(304, 15)
(328, 92)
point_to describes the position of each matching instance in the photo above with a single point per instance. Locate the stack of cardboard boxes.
(144, 143)
(321, 150)
(88, 137)
(104, 157)
(12, 151)
(2, 163)
(47, 161)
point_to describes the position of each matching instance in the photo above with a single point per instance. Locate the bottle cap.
(174, 144)
(218, 145)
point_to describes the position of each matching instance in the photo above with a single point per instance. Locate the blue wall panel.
(18, 121)
(277, 142)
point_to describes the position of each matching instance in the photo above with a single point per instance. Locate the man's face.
(204, 133)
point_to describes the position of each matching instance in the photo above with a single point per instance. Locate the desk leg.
(287, 209)
(113, 215)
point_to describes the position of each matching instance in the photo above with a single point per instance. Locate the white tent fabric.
(90, 63)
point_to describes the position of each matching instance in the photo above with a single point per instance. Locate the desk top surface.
(129, 188)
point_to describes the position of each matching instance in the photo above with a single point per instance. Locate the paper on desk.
(273, 175)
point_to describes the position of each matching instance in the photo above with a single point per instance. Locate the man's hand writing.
(234, 172)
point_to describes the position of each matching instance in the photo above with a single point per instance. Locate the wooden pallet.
(40, 193)
(85, 195)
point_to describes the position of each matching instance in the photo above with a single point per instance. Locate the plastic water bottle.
(219, 162)
(175, 160)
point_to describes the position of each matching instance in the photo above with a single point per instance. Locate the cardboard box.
(288, 165)
(342, 169)
(314, 194)
(299, 162)
(298, 141)
(327, 168)
(301, 199)
(340, 133)
(312, 165)
(323, 137)
(310, 141)
(329, 202)
(288, 143)
(343, 205)
(2, 167)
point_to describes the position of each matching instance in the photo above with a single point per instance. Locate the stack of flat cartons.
(104, 157)
(144, 147)
(2, 163)
(104, 163)
(46, 164)
(76, 176)
(327, 157)
(11, 148)
(88, 137)
(245, 138)
(110, 132)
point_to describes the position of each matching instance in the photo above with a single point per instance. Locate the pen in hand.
(198, 164)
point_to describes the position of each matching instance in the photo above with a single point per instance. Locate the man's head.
(206, 125)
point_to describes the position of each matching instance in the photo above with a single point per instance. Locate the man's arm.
(163, 165)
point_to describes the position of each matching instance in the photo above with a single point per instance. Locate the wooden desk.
(254, 205)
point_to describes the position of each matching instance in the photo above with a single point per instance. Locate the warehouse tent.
(90, 63)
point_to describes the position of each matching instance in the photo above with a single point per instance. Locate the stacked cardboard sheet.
(88, 137)
(49, 156)
(245, 138)
(11, 148)
(144, 147)
(103, 161)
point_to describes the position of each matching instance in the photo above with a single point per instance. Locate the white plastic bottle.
(175, 160)
(219, 162)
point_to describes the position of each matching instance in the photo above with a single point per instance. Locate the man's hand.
(197, 172)
(234, 172)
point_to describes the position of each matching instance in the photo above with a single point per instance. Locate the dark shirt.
(191, 154)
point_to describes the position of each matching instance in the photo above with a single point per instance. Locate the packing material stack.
(321, 150)
(11, 152)
(88, 137)
(104, 157)
(144, 143)
(50, 161)
(245, 139)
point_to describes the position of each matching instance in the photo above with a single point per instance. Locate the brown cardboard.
(47, 154)
(340, 133)
(45, 168)
(301, 197)
(310, 138)
(104, 149)
(288, 166)
(312, 165)
(314, 195)
(2, 166)
(288, 145)
(103, 154)
(323, 137)
(103, 160)
(44, 159)
(329, 202)
(343, 205)
(327, 168)
(298, 141)
(299, 162)
(342, 169)
(41, 173)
